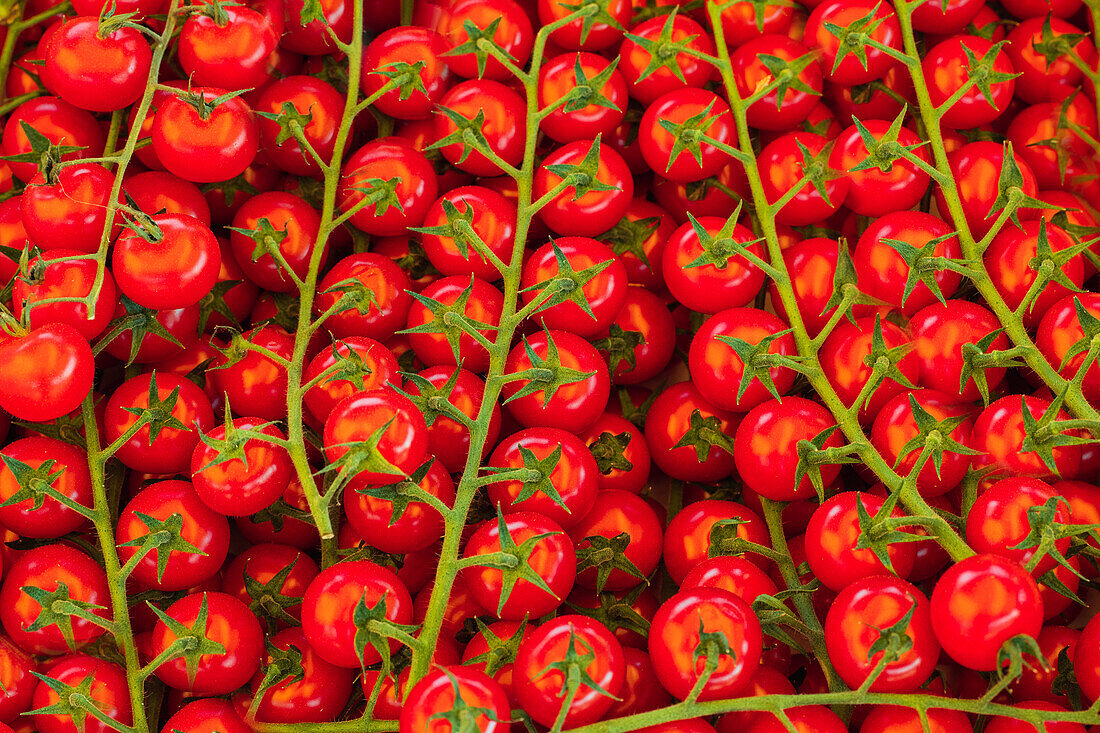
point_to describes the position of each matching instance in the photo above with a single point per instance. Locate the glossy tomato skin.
(416, 527)
(492, 217)
(481, 303)
(1005, 724)
(605, 293)
(318, 697)
(635, 58)
(769, 113)
(595, 211)
(47, 567)
(449, 440)
(553, 558)
(439, 691)
(513, 33)
(999, 434)
(603, 440)
(896, 719)
(46, 373)
(39, 514)
(330, 602)
(832, 535)
(307, 95)
(229, 623)
(669, 422)
(1008, 259)
(781, 164)
(199, 525)
(765, 446)
(998, 520)
(981, 602)
(204, 150)
(291, 226)
(208, 715)
(895, 425)
(615, 512)
(16, 674)
(940, 331)
(387, 283)
(248, 575)
(69, 210)
(732, 573)
(170, 451)
(716, 368)
(385, 159)
(1086, 659)
(946, 69)
(403, 443)
(557, 78)
(675, 636)
(539, 692)
(852, 70)
(851, 628)
(676, 108)
(578, 34)
(504, 127)
(255, 385)
(845, 354)
(95, 71)
(689, 534)
(377, 359)
(108, 693)
(407, 44)
(873, 191)
(61, 122)
(569, 467)
(882, 272)
(708, 288)
(243, 485)
(976, 168)
(1059, 330)
(177, 269)
(573, 406)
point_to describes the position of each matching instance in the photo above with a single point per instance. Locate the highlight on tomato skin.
(463, 366)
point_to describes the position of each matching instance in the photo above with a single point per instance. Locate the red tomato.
(209, 715)
(466, 694)
(539, 687)
(712, 277)
(689, 438)
(980, 603)
(552, 557)
(249, 476)
(33, 468)
(107, 692)
(691, 535)
(392, 162)
(170, 262)
(853, 626)
(998, 521)
(172, 506)
(212, 145)
(329, 607)
(45, 374)
(726, 628)
(93, 70)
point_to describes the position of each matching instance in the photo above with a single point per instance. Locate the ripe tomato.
(249, 578)
(401, 441)
(1004, 724)
(591, 212)
(883, 273)
(306, 95)
(45, 374)
(747, 60)
(396, 163)
(172, 506)
(946, 66)
(47, 568)
(490, 215)
(1009, 262)
(209, 715)
(605, 293)
(377, 316)
(379, 366)
(269, 222)
(512, 32)
(329, 608)
(615, 513)
(613, 452)
(713, 277)
(980, 603)
(94, 70)
(999, 435)
(61, 122)
(552, 557)
(998, 520)
(203, 144)
(691, 535)
(439, 693)
(833, 534)
(1086, 660)
(680, 108)
(221, 619)
(636, 59)
(853, 626)
(481, 304)
(558, 77)
(897, 719)
(895, 425)
(717, 369)
(781, 164)
(688, 437)
(580, 34)
(698, 626)
(170, 262)
(107, 692)
(33, 468)
(230, 47)
(384, 524)
(249, 477)
(68, 211)
(940, 331)
(504, 126)
(573, 406)
(766, 447)
(539, 686)
(853, 68)
(318, 695)
(844, 359)
(183, 410)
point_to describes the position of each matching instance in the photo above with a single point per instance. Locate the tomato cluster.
(447, 364)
